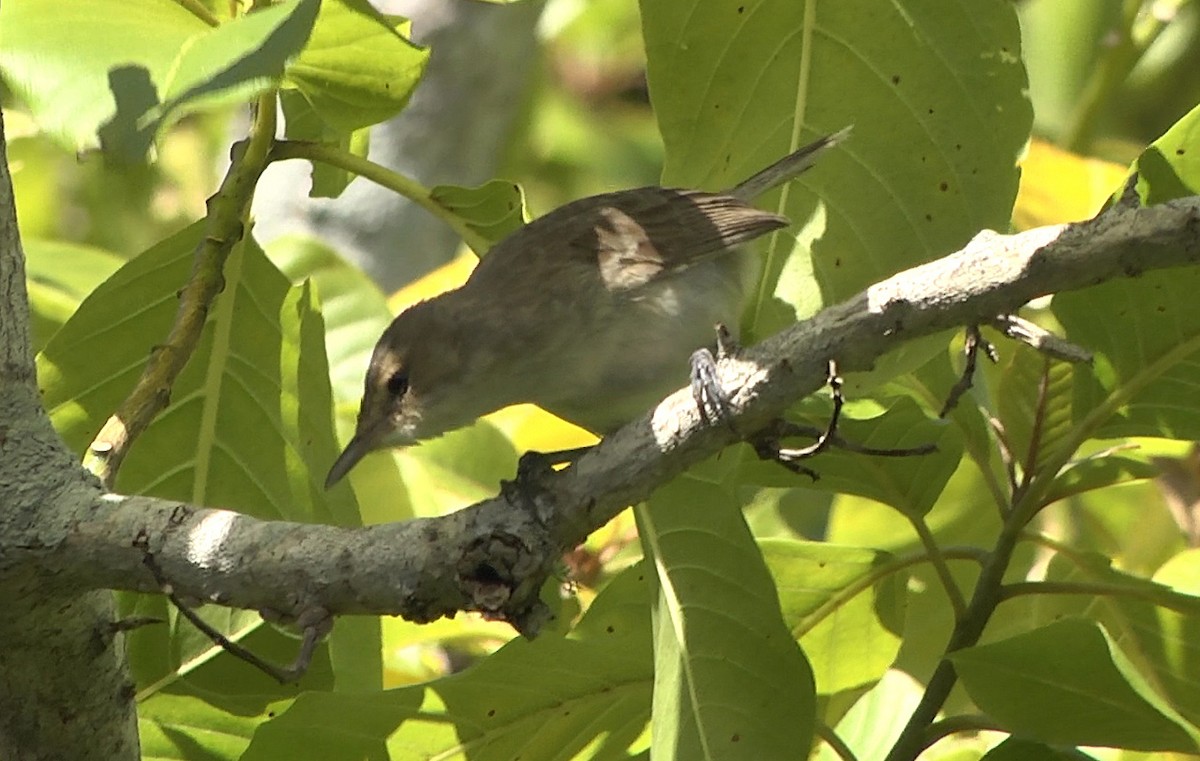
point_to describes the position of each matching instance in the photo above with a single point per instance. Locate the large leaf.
(1145, 330)
(844, 605)
(586, 696)
(113, 72)
(1156, 626)
(179, 727)
(1016, 749)
(248, 427)
(936, 94)
(60, 275)
(1146, 336)
(1169, 167)
(1034, 406)
(1068, 683)
(729, 679)
(358, 68)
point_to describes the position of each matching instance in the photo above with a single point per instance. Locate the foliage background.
(869, 610)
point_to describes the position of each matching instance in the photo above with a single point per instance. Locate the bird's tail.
(788, 167)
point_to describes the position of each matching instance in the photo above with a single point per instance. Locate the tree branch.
(65, 688)
(494, 556)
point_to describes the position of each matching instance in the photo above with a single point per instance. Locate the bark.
(65, 690)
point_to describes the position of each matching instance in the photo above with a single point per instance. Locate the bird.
(591, 312)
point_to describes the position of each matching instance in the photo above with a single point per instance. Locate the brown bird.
(591, 312)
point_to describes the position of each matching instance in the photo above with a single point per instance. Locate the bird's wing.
(637, 236)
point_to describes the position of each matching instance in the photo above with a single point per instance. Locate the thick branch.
(65, 691)
(493, 557)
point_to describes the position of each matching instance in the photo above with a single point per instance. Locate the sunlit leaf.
(114, 72)
(718, 633)
(493, 209)
(358, 68)
(1068, 683)
(586, 696)
(846, 615)
(936, 94)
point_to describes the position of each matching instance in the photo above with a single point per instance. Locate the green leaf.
(250, 411)
(729, 679)
(1034, 397)
(1018, 749)
(910, 483)
(583, 696)
(302, 122)
(1146, 335)
(1156, 625)
(493, 209)
(1170, 166)
(936, 94)
(186, 727)
(248, 427)
(114, 72)
(1068, 683)
(1097, 472)
(354, 310)
(458, 469)
(59, 276)
(872, 725)
(357, 69)
(1144, 330)
(1175, 650)
(844, 608)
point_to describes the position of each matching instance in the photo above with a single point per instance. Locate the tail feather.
(788, 167)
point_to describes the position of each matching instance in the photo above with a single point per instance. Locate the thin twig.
(283, 674)
(223, 231)
(974, 342)
(1160, 596)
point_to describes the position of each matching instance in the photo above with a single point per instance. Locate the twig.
(224, 230)
(1040, 339)
(975, 341)
(314, 629)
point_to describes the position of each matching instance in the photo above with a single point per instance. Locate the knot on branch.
(502, 577)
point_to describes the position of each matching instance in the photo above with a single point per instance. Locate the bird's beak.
(358, 447)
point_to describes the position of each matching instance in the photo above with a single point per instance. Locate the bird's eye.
(397, 383)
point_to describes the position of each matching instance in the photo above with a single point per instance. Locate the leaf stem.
(1160, 596)
(955, 724)
(835, 743)
(967, 631)
(336, 156)
(938, 561)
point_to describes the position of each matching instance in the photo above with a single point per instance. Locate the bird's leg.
(974, 343)
(767, 442)
(711, 398)
(533, 467)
